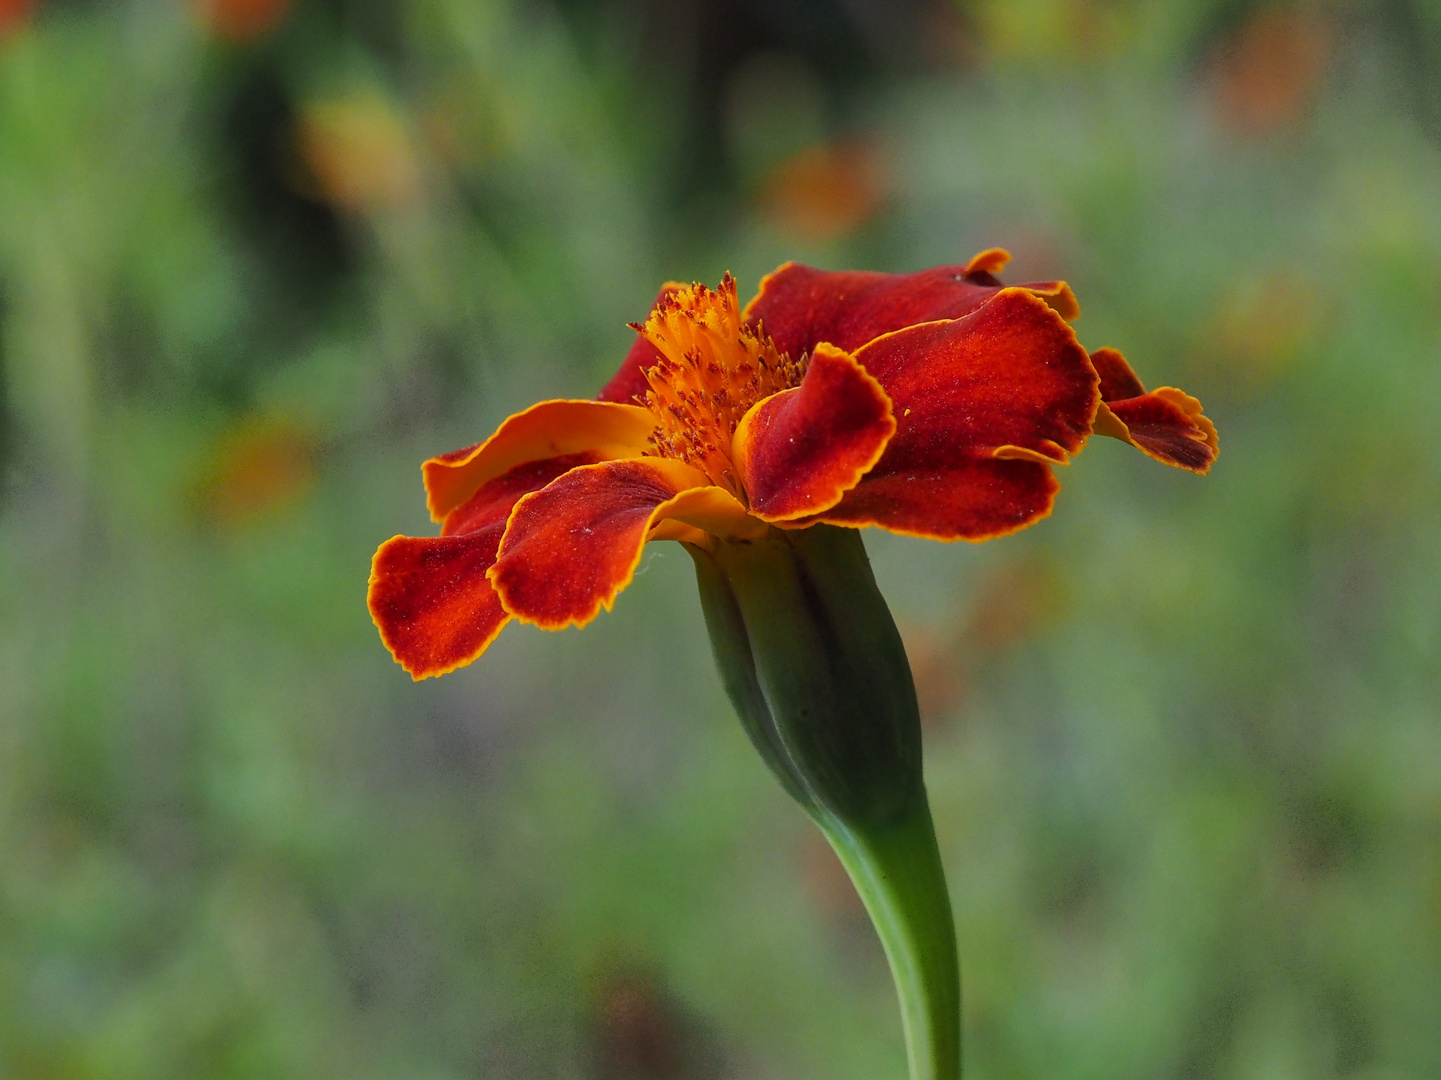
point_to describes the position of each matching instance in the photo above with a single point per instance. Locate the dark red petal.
(982, 404)
(799, 451)
(971, 499)
(546, 430)
(1165, 424)
(801, 306)
(430, 597)
(1009, 374)
(570, 548)
(628, 384)
(492, 503)
(1118, 381)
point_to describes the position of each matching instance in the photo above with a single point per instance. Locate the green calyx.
(814, 665)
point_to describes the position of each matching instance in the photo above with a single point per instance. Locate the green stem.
(897, 872)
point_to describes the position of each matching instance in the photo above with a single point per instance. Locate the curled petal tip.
(545, 430)
(1167, 424)
(990, 261)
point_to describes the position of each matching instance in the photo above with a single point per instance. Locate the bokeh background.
(259, 258)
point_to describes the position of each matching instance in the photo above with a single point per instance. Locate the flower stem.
(897, 871)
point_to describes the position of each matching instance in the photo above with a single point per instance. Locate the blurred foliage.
(258, 259)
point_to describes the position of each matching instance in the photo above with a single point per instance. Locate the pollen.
(713, 368)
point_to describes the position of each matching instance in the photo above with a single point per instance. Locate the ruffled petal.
(966, 499)
(570, 548)
(1166, 424)
(430, 597)
(801, 306)
(990, 261)
(431, 601)
(1118, 381)
(798, 451)
(492, 503)
(984, 405)
(628, 384)
(547, 430)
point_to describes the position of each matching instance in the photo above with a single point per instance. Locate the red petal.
(430, 597)
(1118, 381)
(799, 451)
(431, 601)
(547, 430)
(572, 547)
(970, 499)
(628, 384)
(801, 306)
(1165, 424)
(982, 403)
(492, 504)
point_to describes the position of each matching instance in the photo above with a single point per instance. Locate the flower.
(359, 154)
(243, 21)
(931, 404)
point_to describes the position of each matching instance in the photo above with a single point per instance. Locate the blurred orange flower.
(359, 153)
(1269, 74)
(242, 20)
(13, 15)
(931, 404)
(261, 465)
(824, 192)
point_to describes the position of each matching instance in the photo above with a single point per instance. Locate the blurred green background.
(258, 259)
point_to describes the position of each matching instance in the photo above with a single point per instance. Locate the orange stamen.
(713, 368)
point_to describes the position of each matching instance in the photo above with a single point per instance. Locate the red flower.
(931, 404)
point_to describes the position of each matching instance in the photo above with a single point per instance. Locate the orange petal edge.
(545, 430)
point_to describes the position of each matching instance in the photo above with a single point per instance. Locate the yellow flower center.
(713, 368)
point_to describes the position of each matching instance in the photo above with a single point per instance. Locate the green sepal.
(811, 659)
(813, 662)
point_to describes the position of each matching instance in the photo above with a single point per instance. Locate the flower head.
(931, 404)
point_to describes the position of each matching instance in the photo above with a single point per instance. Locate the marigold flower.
(931, 404)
